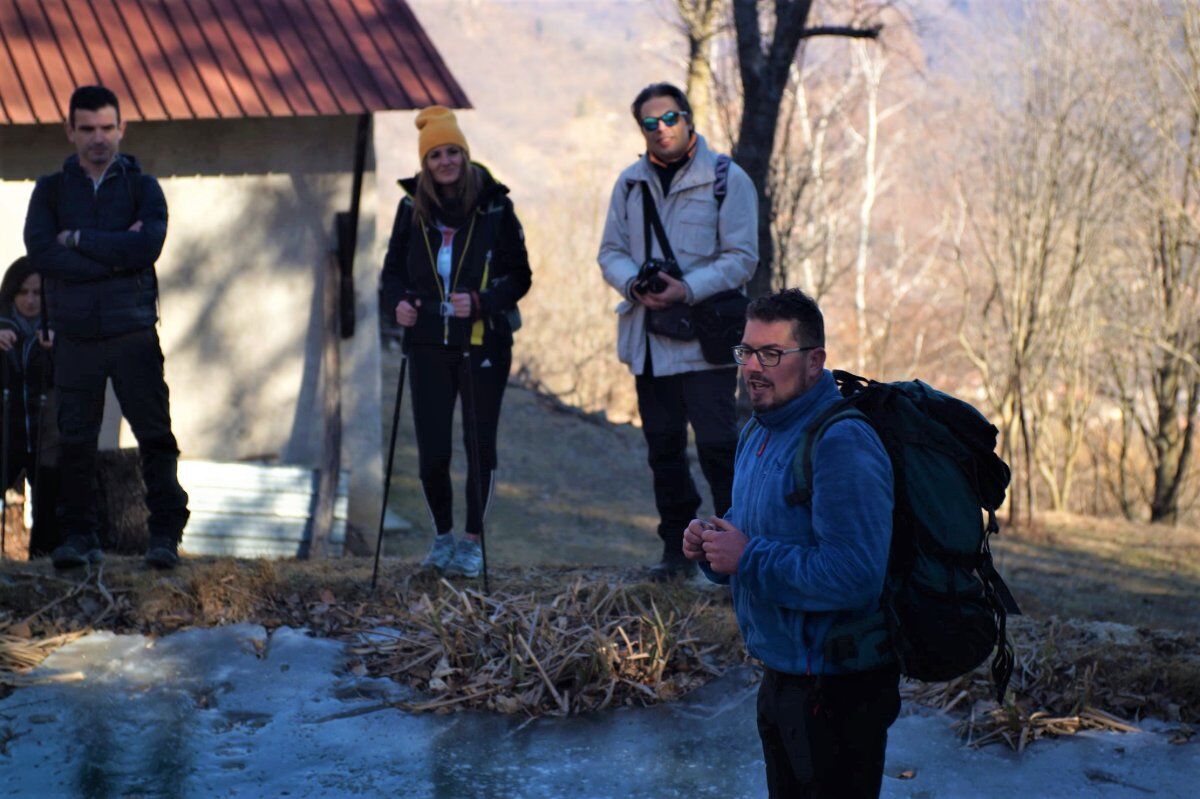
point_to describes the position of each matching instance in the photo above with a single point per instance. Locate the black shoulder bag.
(717, 322)
(676, 321)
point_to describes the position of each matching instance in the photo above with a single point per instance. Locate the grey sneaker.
(441, 553)
(75, 553)
(468, 559)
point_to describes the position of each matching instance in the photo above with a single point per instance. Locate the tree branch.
(843, 30)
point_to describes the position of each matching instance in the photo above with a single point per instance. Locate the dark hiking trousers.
(705, 399)
(44, 537)
(44, 481)
(825, 737)
(435, 376)
(134, 362)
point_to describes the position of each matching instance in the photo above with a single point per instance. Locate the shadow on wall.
(242, 315)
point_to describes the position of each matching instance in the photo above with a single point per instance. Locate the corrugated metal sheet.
(218, 59)
(250, 510)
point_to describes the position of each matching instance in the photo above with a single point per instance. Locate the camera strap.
(651, 221)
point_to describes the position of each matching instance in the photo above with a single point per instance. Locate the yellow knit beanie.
(438, 126)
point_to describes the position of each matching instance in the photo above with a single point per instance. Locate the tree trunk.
(700, 25)
(1172, 444)
(764, 73)
(699, 81)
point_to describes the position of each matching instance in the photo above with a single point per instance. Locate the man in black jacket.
(94, 231)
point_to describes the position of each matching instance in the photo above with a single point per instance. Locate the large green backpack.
(944, 605)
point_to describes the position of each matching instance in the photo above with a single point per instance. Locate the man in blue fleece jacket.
(795, 568)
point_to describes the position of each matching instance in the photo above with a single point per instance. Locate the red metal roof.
(218, 59)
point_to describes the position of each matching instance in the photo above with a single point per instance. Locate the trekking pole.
(37, 439)
(387, 479)
(7, 413)
(471, 420)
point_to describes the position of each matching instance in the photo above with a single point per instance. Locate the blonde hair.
(426, 198)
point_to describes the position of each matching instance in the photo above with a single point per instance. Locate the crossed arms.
(95, 254)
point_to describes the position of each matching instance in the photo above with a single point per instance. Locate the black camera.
(648, 280)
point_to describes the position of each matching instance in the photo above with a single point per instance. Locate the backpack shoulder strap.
(802, 460)
(721, 178)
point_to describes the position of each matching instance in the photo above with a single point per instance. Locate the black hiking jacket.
(495, 265)
(107, 285)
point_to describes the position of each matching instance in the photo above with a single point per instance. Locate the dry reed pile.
(590, 646)
(558, 642)
(1072, 676)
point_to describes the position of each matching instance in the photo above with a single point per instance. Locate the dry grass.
(564, 641)
(1074, 675)
(590, 646)
(1104, 570)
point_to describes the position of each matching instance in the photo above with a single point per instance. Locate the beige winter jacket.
(716, 247)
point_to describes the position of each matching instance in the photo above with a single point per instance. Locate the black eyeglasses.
(670, 119)
(767, 356)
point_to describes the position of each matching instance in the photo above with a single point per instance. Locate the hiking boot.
(76, 552)
(441, 552)
(163, 553)
(468, 559)
(672, 568)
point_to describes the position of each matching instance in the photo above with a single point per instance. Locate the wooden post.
(16, 537)
(331, 404)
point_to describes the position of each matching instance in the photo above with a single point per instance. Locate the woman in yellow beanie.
(456, 266)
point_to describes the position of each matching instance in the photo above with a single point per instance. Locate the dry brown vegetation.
(564, 641)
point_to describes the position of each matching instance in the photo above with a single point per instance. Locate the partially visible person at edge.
(94, 231)
(715, 241)
(794, 569)
(31, 437)
(456, 266)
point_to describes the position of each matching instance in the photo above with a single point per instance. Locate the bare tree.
(765, 65)
(1039, 230)
(701, 23)
(811, 179)
(1164, 294)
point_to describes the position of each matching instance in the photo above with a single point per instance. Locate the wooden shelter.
(255, 116)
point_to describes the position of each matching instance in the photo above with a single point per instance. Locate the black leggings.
(435, 377)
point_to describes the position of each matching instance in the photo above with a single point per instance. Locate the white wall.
(251, 217)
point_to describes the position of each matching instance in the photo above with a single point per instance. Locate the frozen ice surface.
(231, 711)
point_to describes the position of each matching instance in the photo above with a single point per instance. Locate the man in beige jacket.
(709, 214)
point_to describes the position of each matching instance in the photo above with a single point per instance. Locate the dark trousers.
(825, 737)
(43, 538)
(134, 363)
(435, 376)
(44, 482)
(705, 399)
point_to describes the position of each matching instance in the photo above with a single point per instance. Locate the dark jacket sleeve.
(394, 281)
(512, 264)
(126, 250)
(41, 242)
